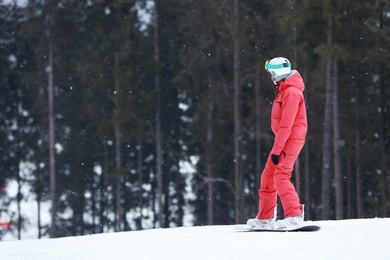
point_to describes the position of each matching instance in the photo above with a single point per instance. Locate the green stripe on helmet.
(277, 66)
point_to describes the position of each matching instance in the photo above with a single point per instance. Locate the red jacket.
(288, 116)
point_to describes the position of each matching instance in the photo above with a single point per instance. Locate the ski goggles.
(268, 66)
(270, 75)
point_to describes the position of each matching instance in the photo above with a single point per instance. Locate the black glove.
(275, 158)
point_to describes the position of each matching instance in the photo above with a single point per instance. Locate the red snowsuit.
(289, 124)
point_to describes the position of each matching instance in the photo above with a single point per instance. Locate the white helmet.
(278, 68)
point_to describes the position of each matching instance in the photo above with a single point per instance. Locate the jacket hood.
(294, 80)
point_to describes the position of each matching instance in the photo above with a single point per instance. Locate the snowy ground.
(346, 239)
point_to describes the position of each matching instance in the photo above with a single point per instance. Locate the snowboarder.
(289, 124)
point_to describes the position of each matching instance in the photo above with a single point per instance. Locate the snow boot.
(262, 223)
(291, 222)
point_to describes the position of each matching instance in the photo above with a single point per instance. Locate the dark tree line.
(109, 102)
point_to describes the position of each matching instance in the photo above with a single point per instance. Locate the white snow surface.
(342, 239)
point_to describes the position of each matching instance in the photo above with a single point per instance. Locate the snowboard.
(307, 228)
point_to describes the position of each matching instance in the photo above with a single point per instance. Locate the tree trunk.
(39, 198)
(237, 115)
(258, 131)
(307, 178)
(209, 167)
(140, 182)
(103, 187)
(118, 155)
(52, 160)
(326, 154)
(349, 214)
(118, 183)
(18, 200)
(339, 178)
(160, 193)
(383, 178)
(93, 203)
(180, 198)
(359, 202)
(306, 173)
(297, 168)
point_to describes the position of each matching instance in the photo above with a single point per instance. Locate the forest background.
(129, 115)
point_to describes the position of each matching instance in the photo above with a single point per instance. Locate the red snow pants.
(275, 180)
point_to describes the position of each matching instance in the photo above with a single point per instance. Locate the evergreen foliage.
(105, 108)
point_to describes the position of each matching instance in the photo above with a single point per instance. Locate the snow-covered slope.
(346, 239)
